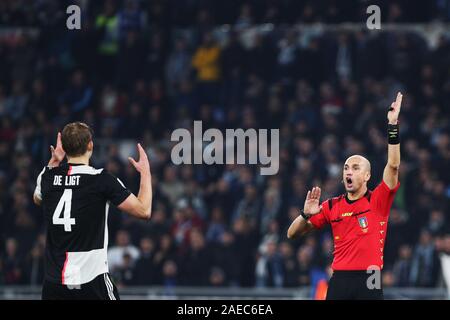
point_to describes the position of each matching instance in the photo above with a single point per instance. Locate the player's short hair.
(75, 138)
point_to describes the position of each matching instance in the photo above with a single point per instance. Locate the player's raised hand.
(394, 110)
(312, 203)
(58, 153)
(142, 165)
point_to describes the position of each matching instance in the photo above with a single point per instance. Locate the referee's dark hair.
(75, 138)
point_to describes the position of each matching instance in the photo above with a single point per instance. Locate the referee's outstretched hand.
(312, 202)
(142, 165)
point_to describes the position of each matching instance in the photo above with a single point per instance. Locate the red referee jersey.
(359, 227)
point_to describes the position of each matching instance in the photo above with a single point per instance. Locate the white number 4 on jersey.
(64, 203)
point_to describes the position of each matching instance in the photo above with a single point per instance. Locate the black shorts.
(101, 288)
(353, 285)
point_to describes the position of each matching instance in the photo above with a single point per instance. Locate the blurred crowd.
(133, 75)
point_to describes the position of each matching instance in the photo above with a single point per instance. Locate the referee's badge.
(363, 222)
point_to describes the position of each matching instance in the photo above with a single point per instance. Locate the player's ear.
(90, 146)
(367, 177)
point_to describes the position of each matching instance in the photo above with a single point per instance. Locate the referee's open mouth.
(349, 182)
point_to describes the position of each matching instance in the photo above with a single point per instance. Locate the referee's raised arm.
(390, 174)
(301, 225)
(140, 206)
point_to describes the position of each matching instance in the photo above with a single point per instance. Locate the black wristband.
(304, 215)
(393, 134)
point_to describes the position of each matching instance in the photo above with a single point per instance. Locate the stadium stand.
(138, 70)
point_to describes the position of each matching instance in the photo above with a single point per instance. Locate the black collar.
(75, 164)
(353, 201)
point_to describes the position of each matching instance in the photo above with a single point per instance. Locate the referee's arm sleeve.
(384, 197)
(321, 219)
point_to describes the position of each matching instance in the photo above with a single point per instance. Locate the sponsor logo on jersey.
(347, 214)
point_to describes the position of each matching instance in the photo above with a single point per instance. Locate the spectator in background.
(196, 262)
(3, 98)
(144, 269)
(245, 18)
(25, 228)
(107, 28)
(194, 194)
(287, 56)
(134, 124)
(402, 267)
(124, 273)
(289, 264)
(304, 259)
(246, 242)
(34, 262)
(78, 95)
(344, 57)
(269, 266)
(170, 276)
(131, 18)
(206, 62)
(111, 109)
(262, 53)
(155, 58)
(122, 247)
(271, 235)
(270, 209)
(130, 59)
(185, 97)
(158, 225)
(16, 104)
(185, 220)
(388, 278)
(171, 186)
(217, 225)
(424, 262)
(223, 252)
(12, 264)
(217, 277)
(166, 252)
(248, 208)
(178, 66)
(397, 235)
(326, 252)
(436, 223)
(232, 65)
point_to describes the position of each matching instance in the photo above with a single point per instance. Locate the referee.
(75, 199)
(358, 219)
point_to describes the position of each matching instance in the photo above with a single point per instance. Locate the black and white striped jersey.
(75, 200)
